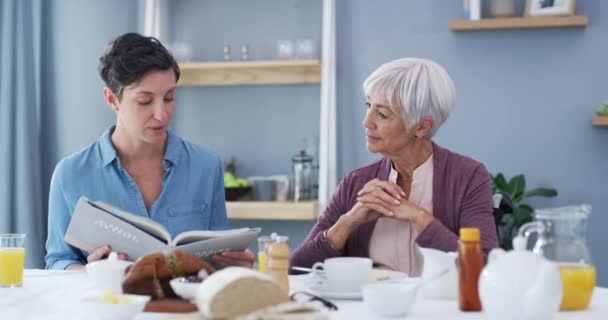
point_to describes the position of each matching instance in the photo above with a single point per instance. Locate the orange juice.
(262, 261)
(11, 266)
(578, 281)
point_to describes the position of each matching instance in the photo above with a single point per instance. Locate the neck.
(412, 156)
(131, 149)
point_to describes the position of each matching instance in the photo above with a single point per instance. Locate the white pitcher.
(434, 263)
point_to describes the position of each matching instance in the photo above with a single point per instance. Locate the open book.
(95, 224)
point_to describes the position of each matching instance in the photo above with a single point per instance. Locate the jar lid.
(281, 239)
(302, 157)
(469, 234)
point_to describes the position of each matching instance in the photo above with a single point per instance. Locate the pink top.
(393, 242)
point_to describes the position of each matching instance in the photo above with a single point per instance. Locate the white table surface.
(57, 294)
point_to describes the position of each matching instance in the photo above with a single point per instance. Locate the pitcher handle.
(521, 240)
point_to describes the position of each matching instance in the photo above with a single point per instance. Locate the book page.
(231, 241)
(147, 225)
(196, 235)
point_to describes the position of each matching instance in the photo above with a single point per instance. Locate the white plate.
(376, 276)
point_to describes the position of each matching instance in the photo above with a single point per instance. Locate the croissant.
(150, 275)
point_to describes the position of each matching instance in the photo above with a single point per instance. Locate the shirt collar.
(393, 174)
(108, 153)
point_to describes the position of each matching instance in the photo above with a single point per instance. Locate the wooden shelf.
(250, 72)
(518, 23)
(600, 121)
(261, 210)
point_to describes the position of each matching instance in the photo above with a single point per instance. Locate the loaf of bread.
(150, 275)
(236, 291)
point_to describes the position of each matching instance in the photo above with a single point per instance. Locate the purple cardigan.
(462, 197)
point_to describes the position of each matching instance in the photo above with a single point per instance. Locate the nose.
(161, 112)
(368, 123)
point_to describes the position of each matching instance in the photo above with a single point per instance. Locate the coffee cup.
(342, 274)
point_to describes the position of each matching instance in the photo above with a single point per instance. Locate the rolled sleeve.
(59, 253)
(316, 247)
(437, 236)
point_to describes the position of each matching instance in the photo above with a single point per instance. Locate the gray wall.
(524, 98)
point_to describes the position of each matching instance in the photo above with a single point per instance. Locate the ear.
(424, 127)
(111, 99)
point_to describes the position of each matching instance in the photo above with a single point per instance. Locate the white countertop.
(57, 294)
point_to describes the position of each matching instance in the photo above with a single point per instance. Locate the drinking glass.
(285, 49)
(263, 242)
(12, 259)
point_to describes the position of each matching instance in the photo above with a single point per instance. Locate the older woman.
(419, 194)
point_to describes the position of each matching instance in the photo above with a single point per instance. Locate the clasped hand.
(386, 198)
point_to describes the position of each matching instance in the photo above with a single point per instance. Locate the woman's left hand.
(234, 258)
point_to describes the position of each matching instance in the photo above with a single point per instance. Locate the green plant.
(515, 188)
(602, 110)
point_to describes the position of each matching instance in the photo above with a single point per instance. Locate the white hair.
(418, 87)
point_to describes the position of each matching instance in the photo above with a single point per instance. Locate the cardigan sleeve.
(316, 247)
(475, 211)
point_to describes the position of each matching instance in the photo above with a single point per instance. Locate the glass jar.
(561, 238)
(277, 261)
(302, 172)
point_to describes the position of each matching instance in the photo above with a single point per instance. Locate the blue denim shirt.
(192, 196)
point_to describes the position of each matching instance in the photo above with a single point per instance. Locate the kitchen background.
(524, 98)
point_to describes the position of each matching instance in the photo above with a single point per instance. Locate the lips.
(372, 138)
(157, 129)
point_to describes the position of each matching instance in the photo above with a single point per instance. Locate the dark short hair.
(128, 58)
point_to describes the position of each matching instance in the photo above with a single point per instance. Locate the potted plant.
(508, 223)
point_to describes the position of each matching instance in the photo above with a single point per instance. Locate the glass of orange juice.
(12, 259)
(263, 243)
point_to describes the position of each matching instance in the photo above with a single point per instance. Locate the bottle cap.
(281, 239)
(469, 234)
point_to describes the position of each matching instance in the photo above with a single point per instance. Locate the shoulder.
(78, 163)
(355, 179)
(200, 155)
(460, 166)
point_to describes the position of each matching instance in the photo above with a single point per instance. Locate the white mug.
(343, 274)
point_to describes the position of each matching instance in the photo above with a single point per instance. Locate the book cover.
(95, 224)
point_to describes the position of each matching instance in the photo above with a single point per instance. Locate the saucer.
(377, 275)
(354, 295)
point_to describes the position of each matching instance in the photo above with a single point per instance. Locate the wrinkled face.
(385, 129)
(147, 106)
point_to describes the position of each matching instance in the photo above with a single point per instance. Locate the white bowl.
(186, 290)
(108, 274)
(390, 299)
(100, 309)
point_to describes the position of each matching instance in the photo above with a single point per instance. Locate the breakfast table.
(49, 294)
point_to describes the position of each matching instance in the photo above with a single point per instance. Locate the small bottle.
(470, 260)
(245, 52)
(227, 53)
(277, 261)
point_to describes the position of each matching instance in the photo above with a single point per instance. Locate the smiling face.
(385, 128)
(146, 107)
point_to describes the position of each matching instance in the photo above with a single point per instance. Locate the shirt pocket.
(188, 217)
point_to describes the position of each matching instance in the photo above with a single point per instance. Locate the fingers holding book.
(241, 258)
(102, 252)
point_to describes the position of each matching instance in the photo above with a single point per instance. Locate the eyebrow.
(152, 93)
